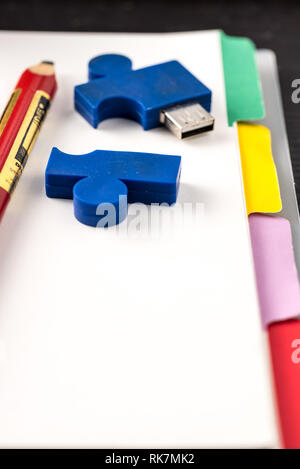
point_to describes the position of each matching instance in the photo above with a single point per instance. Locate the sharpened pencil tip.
(43, 68)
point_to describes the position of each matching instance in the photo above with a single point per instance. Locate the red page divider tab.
(284, 340)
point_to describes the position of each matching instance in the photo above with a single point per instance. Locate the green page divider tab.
(242, 83)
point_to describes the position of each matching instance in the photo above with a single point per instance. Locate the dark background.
(271, 24)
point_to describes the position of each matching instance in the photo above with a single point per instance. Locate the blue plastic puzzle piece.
(101, 183)
(115, 90)
(108, 64)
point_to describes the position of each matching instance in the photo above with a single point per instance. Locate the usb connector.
(185, 120)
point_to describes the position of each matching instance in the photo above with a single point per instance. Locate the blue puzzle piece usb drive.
(165, 94)
(102, 182)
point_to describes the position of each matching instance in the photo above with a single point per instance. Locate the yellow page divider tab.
(259, 171)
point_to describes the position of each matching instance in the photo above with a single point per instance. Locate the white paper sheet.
(137, 340)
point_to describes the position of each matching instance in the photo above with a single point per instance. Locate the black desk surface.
(273, 25)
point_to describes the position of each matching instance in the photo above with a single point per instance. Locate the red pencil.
(21, 122)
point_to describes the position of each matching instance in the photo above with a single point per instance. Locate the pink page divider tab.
(276, 275)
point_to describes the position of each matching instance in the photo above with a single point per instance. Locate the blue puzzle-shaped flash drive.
(164, 94)
(102, 182)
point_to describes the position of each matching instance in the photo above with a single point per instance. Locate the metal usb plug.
(185, 120)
